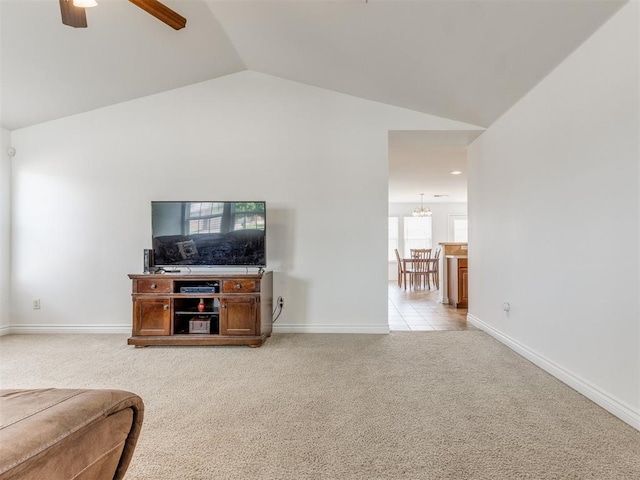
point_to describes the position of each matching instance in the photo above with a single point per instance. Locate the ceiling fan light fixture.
(421, 211)
(72, 16)
(85, 3)
(73, 12)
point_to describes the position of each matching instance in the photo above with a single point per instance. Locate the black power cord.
(279, 307)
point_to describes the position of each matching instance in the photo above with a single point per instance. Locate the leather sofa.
(68, 434)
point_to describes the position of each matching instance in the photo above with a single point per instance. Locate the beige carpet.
(425, 405)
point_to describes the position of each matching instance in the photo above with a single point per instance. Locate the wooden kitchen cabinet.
(457, 274)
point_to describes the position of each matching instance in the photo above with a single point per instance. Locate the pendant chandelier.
(421, 211)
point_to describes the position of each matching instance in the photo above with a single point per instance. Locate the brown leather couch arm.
(68, 433)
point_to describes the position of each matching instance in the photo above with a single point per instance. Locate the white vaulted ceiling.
(463, 60)
(466, 60)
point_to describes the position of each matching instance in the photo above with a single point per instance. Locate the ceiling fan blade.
(161, 12)
(71, 15)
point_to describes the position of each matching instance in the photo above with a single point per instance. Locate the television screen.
(209, 233)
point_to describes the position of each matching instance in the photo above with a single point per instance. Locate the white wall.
(83, 187)
(554, 216)
(5, 230)
(439, 222)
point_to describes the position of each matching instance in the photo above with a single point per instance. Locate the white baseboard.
(291, 328)
(126, 329)
(68, 329)
(5, 330)
(620, 409)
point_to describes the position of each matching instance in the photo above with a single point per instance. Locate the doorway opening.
(425, 165)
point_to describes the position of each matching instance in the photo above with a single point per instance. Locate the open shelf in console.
(189, 319)
(196, 325)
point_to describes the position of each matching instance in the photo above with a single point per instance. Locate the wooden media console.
(197, 309)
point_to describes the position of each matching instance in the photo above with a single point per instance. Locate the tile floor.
(411, 310)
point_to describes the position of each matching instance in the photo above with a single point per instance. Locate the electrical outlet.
(36, 304)
(281, 302)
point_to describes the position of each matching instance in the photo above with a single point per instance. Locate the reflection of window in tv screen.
(217, 217)
(209, 233)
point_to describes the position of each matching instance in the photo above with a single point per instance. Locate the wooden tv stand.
(235, 309)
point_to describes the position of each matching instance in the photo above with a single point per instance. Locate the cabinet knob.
(224, 305)
(166, 307)
(238, 286)
(153, 286)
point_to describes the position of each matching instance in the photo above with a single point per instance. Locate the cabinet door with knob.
(152, 316)
(238, 316)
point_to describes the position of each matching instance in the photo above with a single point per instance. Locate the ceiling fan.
(73, 13)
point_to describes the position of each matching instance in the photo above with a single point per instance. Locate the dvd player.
(197, 289)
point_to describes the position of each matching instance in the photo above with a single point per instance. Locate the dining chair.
(400, 268)
(434, 268)
(420, 263)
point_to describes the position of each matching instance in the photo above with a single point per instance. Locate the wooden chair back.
(420, 259)
(400, 270)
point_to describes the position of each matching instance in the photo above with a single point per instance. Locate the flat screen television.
(209, 234)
